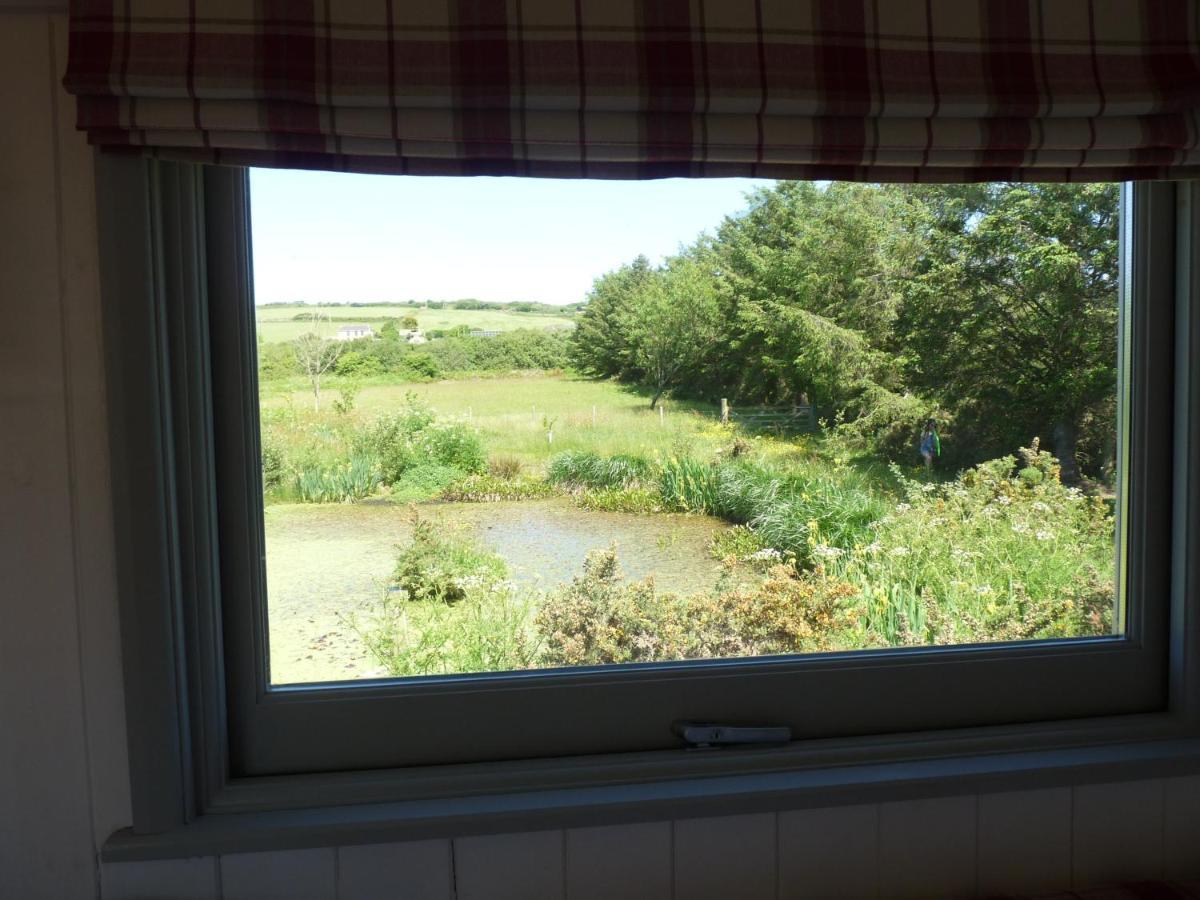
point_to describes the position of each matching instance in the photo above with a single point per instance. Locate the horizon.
(338, 239)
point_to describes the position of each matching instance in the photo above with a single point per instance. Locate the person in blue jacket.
(931, 444)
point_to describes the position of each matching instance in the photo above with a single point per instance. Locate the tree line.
(989, 307)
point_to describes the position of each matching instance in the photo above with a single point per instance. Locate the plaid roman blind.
(876, 90)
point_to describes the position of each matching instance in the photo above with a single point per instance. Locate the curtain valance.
(878, 90)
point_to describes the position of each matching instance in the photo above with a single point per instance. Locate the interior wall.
(63, 770)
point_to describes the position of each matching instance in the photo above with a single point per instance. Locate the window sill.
(243, 828)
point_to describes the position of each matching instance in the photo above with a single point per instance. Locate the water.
(328, 561)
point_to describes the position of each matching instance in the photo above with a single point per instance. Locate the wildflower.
(929, 487)
(983, 590)
(873, 547)
(1041, 507)
(1004, 500)
(826, 551)
(1020, 528)
(903, 507)
(1045, 535)
(767, 553)
(899, 551)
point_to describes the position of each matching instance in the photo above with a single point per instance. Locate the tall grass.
(795, 511)
(582, 468)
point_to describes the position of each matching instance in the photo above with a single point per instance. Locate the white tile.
(525, 866)
(721, 858)
(1181, 818)
(1117, 832)
(632, 862)
(927, 848)
(420, 870)
(1025, 842)
(165, 879)
(829, 853)
(279, 875)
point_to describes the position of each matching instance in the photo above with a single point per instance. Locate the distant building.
(475, 332)
(355, 332)
(414, 337)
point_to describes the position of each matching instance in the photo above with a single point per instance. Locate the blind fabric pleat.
(890, 90)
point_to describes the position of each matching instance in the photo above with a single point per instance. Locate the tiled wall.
(973, 846)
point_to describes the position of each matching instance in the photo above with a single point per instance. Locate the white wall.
(63, 783)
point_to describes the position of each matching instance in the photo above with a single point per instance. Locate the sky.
(325, 237)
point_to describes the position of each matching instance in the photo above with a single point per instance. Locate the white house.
(355, 332)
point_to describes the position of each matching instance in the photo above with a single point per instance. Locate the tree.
(316, 354)
(599, 343)
(1012, 323)
(672, 324)
(409, 323)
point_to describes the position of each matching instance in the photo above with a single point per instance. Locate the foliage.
(413, 437)
(640, 500)
(504, 466)
(437, 564)
(492, 489)
(273, 466)
(357, 364)
(576, 468)
(487, 631)
(347, 395)
(339, 482)
(424, 481)
(1000, 553)
(600, 618)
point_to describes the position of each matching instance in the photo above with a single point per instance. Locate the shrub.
(272, 461)
(356, 364)
(423, 481)
(421, 366)
(890, 424)
(438, 565)
(453, 445)
(599, 618)
(489, 631)
(347, 396)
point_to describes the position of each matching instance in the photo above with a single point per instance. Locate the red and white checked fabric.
(868, 90)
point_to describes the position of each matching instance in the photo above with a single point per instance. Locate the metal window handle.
(709, 734)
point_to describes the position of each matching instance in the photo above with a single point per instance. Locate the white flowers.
(899, 551)
(824, 550)
(983, 590)
(764, 555)
(1020, 528)
(903, 507)
(1045, 535)
(1041, 507)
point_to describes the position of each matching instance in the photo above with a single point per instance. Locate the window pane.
(512, 424)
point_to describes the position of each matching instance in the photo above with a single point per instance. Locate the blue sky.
(323, 237)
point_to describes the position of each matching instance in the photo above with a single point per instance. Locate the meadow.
(811, 542)
(280, 323)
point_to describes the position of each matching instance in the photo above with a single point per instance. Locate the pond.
(325, 561)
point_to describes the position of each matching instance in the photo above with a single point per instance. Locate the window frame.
(175, 240)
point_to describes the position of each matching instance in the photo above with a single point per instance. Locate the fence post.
(724, 411)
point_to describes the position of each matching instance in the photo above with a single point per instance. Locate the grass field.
(279, 323)
(512, 414)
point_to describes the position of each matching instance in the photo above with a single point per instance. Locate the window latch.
(710, 736)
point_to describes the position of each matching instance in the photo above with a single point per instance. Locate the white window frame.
(221, 761)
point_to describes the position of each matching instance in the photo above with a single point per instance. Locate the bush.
(997, 554)
(599, 618)
(639, 500)
(453, 445)
(890, 424)
(273, 469)
(437, 565)
(423, 481)
(421, 366)
(356, 364)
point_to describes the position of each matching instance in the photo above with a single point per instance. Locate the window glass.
(511, 424)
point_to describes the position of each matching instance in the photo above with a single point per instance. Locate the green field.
(279, 323)
(512, 414)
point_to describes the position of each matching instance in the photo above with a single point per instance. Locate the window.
(187, 440)
(820, 417)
